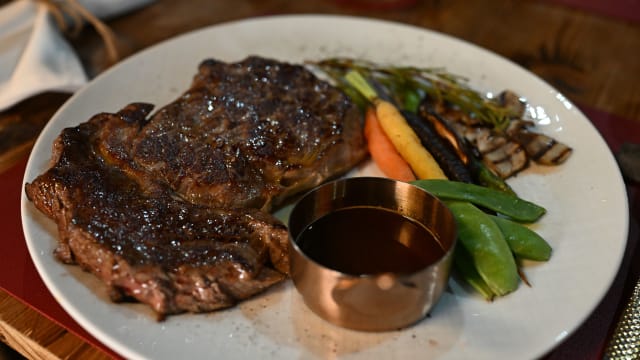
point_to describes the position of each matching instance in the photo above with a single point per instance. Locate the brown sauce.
(369, 240)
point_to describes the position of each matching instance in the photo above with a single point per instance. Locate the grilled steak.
(171, 208)
(247, 134)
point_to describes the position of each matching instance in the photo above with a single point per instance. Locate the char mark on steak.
(171, 208)
(248, 134)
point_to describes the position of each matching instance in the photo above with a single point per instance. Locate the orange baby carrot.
(382, 151)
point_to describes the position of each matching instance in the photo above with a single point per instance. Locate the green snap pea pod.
(482, 238)
(524, 242)
(463, 263)
(512, 206)
(487, 178)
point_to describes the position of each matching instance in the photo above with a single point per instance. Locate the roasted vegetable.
(383, 152)
(399, 132)
(479, 172)
(445, 132)
(442, 151)
(501, 154)
(541, 148)
(487, 123)
(409, 84)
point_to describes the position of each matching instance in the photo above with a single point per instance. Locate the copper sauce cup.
(371, 298)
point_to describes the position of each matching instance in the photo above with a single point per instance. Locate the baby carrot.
(406, 141)
(382, 151)
(399, 132)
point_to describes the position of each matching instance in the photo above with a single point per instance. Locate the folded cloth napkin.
(34, 55)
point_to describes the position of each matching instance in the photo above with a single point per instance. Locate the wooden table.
(586, 50)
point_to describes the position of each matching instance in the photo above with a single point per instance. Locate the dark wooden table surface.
(586, 49)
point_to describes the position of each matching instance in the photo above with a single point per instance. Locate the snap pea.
(524, 242)
(512, 206)
(482, 238)
(487, 178)
(463, 263)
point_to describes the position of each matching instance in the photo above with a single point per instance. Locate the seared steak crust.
(169, 209)
(248, 134)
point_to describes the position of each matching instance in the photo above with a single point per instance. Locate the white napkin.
(35, 57)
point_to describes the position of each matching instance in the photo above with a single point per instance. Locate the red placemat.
(614, 129)
(18, 275)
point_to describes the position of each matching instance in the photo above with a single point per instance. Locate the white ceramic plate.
(586, 224)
